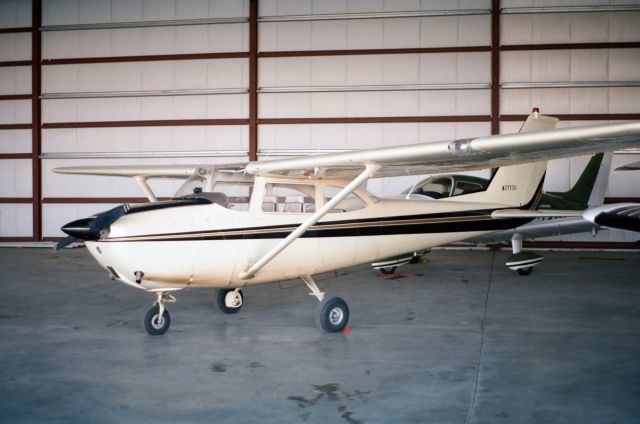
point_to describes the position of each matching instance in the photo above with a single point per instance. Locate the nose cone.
(82, 229)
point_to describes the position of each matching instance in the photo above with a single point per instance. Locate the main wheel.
(156, 324)
(334, 315)
(229, 301)
(525, 271)
(388, 270)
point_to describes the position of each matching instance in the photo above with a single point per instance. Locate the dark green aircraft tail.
(592, 181)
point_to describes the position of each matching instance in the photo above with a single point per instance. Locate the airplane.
(589, 191)
(311, 215)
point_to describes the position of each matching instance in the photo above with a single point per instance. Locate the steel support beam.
(36, 132)
(253, 80)
(495, 67)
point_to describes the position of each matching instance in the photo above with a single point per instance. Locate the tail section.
(588, 191)
(517, 185)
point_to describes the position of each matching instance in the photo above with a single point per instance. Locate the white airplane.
(311, 215)
(588, 192)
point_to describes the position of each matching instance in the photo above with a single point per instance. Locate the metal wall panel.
(148, 108)
(145, 139)
(571, 100)
(15, 13)
(15, 111)
(15, 175)
(15, 141)
(15, 220)
(371, 34)
(145, 41)
(16, 46)
(570, 27)
(139, 76)
(15, 80)
(69, 12)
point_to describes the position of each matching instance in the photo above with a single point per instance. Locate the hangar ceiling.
(208, 81)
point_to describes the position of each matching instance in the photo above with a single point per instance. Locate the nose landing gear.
(157, 319)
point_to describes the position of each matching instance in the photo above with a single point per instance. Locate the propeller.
(90, 228)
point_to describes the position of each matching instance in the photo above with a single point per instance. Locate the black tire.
(334, 315)
(222, 304)
(525, 271)
(151, 324)
(388, 270)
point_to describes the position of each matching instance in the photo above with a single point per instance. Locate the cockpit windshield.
(231, 191)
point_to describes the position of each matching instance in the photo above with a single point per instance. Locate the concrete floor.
(464, 340)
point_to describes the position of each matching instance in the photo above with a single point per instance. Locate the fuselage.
(208, 245)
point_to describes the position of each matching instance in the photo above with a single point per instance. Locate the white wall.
(350, 71)
(15, 174)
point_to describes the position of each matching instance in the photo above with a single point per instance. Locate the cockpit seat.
(294, 204)
(269, 203)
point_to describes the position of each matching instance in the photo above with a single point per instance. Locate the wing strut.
(370, 169)
(142, 181)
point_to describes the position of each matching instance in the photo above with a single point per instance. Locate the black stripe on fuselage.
(411, 224)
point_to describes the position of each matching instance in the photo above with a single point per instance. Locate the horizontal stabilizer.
(622, 216)
(518, 213)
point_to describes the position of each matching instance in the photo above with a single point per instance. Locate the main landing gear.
(157, 320)
(333, 313)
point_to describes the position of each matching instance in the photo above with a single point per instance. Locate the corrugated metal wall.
(216, 80)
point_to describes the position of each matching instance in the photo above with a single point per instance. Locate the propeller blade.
(104, 219)
(64, 243)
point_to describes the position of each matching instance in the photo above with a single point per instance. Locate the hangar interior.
(205, 81)
(460, 339)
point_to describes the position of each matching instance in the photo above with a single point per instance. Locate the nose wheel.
(230, 300)
(157, 319)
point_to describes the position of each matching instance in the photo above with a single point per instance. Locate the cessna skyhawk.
(311, 215)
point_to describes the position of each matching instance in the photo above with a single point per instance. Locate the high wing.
(141, 173)
(458, 155)
(147, 171)
(423, 158)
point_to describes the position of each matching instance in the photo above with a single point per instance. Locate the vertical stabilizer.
(517, 185)
(588, 191)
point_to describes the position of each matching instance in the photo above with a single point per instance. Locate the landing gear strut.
(230, 300)
(333, 313)
(157, 320)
